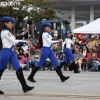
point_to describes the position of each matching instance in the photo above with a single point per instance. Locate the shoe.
(62, 77)
(1, 92)
(33, 72)
(31, 79)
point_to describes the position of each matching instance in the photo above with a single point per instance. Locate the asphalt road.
(82, 86)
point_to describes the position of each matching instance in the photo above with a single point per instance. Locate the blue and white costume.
(46, 51)
(7, 54)
(68, 51)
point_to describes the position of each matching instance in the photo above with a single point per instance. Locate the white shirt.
(68, 42)
(47, 39)
(25, 48)
(8, 40)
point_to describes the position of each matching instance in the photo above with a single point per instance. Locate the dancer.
(68, 52)
(7, 55)
(46, 52)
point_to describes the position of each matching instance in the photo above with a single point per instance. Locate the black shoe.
(31, 79)
(31, 76)
(65, 78)
(27, 88)
(76, 71)
(1, 92)
(62, 77)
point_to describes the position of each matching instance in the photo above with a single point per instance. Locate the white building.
(75, 10)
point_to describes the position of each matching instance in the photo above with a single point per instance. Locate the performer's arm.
(49, 39)
(10, 37)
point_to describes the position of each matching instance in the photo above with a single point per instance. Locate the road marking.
(53, 95)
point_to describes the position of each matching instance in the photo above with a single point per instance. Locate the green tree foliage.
(48, 14)
(42, 9)
(14, 10)
(37, 9)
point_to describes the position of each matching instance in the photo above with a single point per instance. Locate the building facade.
(74, 10)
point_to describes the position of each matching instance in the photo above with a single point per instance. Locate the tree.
(12, 8)
(39, 9)
(42, 9)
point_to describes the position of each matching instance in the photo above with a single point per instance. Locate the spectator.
(33, 60)
(85, 51)
(22, 62)
(94, 62)
(74, 38)
(32, 40)
(20, 54)
(25, 48)
(28, 58)
(46, 64)
(78, 58)
(77, 43)
(32, 49)
(90, 44)
(95, 49)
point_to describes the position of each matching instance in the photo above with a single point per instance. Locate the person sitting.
(85, 51)
(24, 60)
(25, 48)
(46, 64)
(94, 62)
(78, 58)
(32, 49)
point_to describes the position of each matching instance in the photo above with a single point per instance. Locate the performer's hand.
(28, 42)
(60, 40)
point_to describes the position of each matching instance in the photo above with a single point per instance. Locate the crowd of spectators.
(85, 50)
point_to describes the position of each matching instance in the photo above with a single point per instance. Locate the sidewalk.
(83, 86)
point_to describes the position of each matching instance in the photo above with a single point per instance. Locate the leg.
(67, 52)
(1, 72)
(73, 66)
(14, 61)
(96, 67)
(58, 70)
(50, 63)
(64, 62)
(43, 57)
(93, 66)
(27, 64)
(45, 65)
(35, 62)
(80, 64)
(3, 65)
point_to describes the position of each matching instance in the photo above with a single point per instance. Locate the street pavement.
(82, 86)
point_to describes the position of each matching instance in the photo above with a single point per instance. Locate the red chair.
(88, 56)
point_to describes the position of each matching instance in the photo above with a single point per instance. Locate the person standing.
(46, 52)
(7, 54)
(68, 52)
